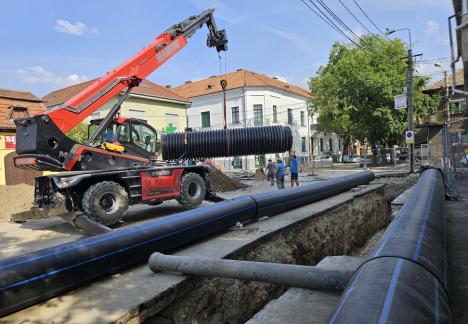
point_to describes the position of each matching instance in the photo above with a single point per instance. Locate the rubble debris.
(222, 183)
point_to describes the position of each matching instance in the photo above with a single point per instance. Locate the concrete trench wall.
(213, 300)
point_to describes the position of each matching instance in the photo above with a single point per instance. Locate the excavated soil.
(222, 183)
(15, 199)
(336, 232)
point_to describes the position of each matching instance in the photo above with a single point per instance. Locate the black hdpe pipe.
(28, 279)
(405, 279)
(226, 142)
(291, 275)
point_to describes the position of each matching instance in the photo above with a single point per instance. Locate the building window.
(457, 107)
(290, 116)
(205, 119)
(321, 144)
(330, 144)
(303, 144)
(135, 113)
(303, 118)
(275, 114)
(235, 115)
(237, 162)
(17, 112)
(258, 115)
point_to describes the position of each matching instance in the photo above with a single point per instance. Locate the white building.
(252, 99)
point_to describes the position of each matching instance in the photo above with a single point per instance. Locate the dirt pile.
(222, 183)
(15, 199)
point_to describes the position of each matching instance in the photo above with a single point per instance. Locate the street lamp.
(391, 31)
(409, 87)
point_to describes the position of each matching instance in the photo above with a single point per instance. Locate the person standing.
(280, 174)
(270, 171)
(294, 171)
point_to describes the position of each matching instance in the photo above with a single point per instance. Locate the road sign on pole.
(409, 137)
(400, 101)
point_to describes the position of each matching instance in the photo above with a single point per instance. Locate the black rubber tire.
(192, 190)
(106, 202)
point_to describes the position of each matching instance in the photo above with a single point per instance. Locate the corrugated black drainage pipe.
(405, 280)
(226, 142)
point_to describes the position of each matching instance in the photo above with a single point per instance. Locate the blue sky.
(46, 45)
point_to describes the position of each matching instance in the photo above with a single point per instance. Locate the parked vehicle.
(351, 158)
(324, 158)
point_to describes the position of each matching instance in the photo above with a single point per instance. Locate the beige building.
(162, 108)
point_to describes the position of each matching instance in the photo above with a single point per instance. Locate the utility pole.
(409, 103)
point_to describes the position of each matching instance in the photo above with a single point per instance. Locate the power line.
(338, 19)
(347, 9)
(329, 22)
(372, 22)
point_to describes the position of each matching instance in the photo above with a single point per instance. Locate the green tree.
(79, 133)
(354, 93)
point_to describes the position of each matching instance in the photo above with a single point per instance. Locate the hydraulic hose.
(28, 279)
(226, 142)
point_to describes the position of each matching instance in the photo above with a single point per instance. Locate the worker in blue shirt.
(280, 174)
(294, 171)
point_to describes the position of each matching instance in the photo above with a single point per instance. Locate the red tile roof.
(17, 98)
(238, 79)
(19, 94)
(146, 88)
(440, 84)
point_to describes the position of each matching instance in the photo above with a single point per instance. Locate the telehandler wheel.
(106, 202)
(192, 190)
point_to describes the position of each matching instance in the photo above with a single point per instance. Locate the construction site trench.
(341, 229)
(339, 225)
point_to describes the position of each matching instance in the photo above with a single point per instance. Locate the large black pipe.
(226, 142)
(405, 280)
(28, 279)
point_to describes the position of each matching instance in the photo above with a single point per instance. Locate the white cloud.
(297, 40)
(432, 27)
(282, 78)
(38, 74)
(221, 11)
(77, 29)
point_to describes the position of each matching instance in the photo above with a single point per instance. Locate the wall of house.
(245, 99)
(157, 113)
(4, 150)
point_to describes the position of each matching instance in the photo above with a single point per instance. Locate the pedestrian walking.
(280, 174)
(270, 171)
(294, 168)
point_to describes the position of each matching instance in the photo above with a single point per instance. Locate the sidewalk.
(457, 251)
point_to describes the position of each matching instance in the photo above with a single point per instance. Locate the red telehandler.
(117, 167)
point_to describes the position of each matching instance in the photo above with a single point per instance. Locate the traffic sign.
(223, 84)
(400, 101)
(409, 137)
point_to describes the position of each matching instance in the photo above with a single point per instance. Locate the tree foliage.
(79, 133)
(354, 93)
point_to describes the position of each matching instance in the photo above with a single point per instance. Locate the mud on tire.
(106, 202)
(192, 190)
